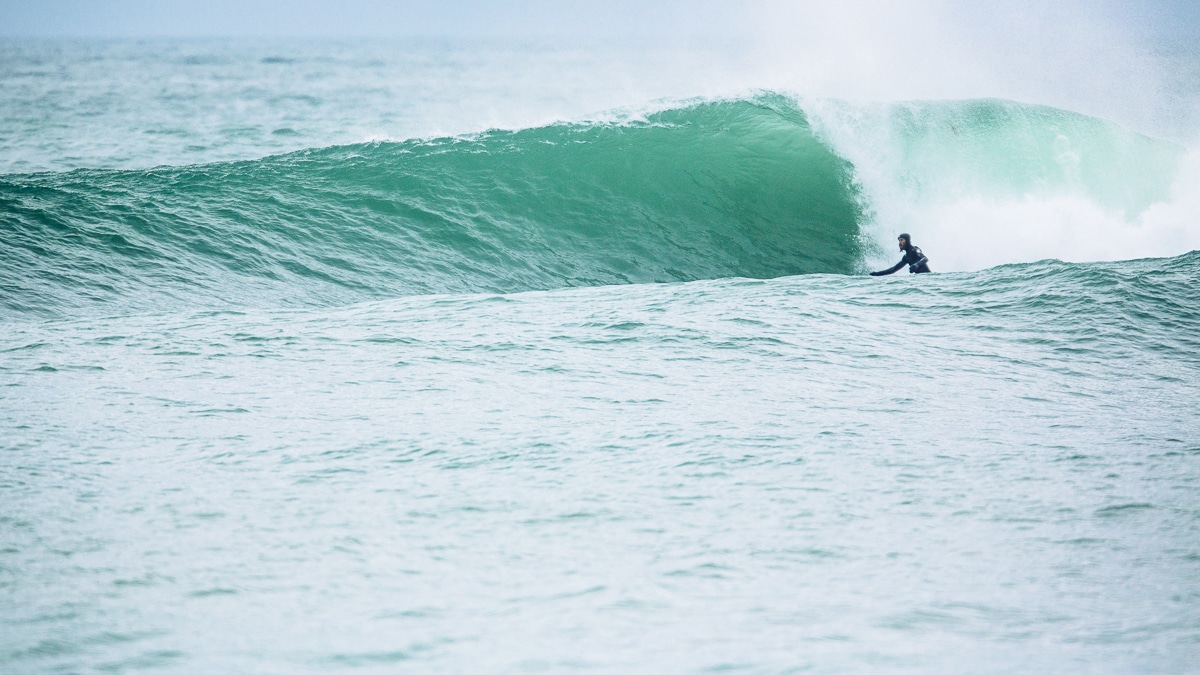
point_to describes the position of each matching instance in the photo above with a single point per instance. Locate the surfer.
(916, 261)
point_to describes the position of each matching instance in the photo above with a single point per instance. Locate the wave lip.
(984, 182)
(707, 190)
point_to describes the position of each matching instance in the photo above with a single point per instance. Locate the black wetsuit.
(916, 261)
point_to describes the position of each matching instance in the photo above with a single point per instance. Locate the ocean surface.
(486, 356)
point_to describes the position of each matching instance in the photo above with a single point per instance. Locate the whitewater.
(511, 357)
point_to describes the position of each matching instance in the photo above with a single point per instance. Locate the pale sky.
(349, 18)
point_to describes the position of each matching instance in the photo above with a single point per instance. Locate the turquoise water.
(598, 389)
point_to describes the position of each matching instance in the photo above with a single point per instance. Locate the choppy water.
(509, 401)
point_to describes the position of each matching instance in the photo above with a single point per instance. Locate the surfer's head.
(904, 240)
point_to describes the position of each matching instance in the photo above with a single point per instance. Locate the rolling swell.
(716, 189)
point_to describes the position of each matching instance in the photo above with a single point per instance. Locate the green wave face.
(717, 189)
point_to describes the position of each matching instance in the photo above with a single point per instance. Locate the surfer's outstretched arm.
(889, 270)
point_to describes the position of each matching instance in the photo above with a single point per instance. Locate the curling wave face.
(712, 190)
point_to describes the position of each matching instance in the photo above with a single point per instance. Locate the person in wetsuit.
(916, 261)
